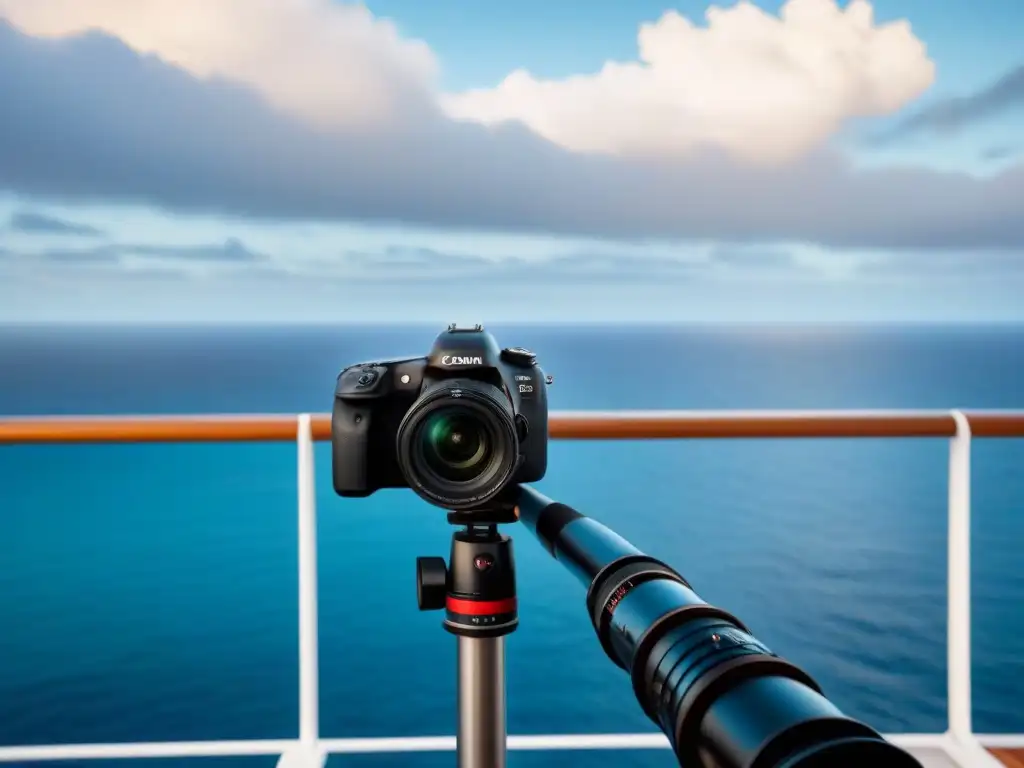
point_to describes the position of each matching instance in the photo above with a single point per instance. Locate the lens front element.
(455, 444)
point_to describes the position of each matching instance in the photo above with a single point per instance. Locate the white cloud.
(763, 88)
(760, 87)
(332, 64)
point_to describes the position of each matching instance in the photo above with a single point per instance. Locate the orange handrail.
(622, 425)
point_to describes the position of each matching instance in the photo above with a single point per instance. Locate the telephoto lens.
(720, 695)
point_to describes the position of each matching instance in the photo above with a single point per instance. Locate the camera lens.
(455, 444)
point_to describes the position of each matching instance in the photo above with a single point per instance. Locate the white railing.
(959, 743)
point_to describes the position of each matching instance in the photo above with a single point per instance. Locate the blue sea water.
(148, 592)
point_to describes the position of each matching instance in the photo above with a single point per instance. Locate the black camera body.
(456, 426)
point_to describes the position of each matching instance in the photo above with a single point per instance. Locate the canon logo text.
(459, 360)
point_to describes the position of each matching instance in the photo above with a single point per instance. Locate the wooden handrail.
(615, 425)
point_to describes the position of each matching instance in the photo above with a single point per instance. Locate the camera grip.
(350, 435)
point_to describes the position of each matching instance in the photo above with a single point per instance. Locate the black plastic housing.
(375, 401)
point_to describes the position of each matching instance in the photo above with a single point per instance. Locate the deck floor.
(1012, 758)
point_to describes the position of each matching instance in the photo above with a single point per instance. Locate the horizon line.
(16, 324)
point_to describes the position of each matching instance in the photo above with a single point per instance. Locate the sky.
(456, 161)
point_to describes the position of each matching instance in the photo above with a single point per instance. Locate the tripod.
(477, 590)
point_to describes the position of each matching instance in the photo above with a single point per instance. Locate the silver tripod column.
(478, 594)
(481, 734)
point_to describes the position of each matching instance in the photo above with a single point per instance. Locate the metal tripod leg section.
(481, 735)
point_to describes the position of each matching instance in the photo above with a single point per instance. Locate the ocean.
(148, 592)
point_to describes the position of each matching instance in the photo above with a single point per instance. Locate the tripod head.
(477, 586)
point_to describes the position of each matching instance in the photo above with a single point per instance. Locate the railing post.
(309, 672)
(961, 728)
(959, 587)
(308, 753)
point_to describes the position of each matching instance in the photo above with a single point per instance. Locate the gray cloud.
(754, 258)
(230, 251)
(1009, 263)
(999, 152)
(409, 267)
(397, 261)
(39, 223)
(398, 265)
(81, 256)
(135, 129)
(750, 264)
(412, 265)
(403, 265)
(956, 114)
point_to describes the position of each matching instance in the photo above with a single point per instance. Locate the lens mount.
(457, 446)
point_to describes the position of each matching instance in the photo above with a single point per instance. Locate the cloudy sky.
(313, 160)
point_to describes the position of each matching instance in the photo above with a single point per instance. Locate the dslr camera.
(457, 426)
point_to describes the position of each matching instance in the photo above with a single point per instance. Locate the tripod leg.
(481, 736)
(478, 592)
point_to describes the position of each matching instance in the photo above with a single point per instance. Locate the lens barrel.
(457, 445)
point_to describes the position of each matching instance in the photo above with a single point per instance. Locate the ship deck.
(958, 746)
